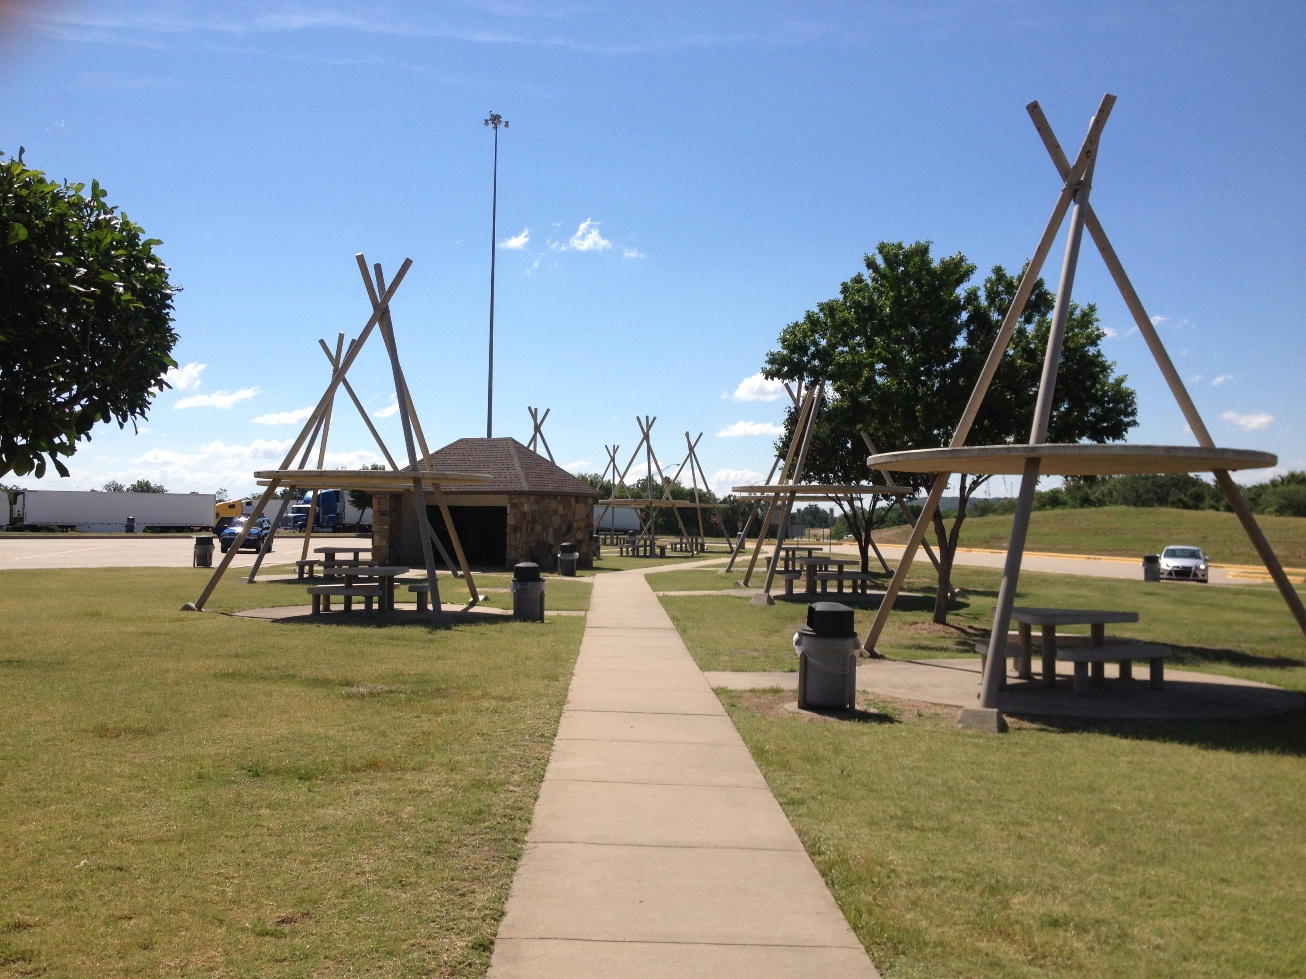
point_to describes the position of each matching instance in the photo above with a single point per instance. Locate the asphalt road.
(135, 551)
(149, 551)
(1097, 567)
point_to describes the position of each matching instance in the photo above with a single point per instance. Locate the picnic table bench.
(304, 569)
(322, 595)
(641, 547)
(377, 584)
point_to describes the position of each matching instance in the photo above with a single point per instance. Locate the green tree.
(901, 349)
(1283, 496)
(360, 500)
(113, 486)
(85, 318)
(145, 486)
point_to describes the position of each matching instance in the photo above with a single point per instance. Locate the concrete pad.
(606, 727)
(1188, 695)
(672, 894)
(661, 816)
(646, 702)
(655, 763)
(560, 959)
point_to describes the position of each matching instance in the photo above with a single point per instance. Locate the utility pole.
(496, 121)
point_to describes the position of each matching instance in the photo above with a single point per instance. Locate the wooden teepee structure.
(415, 482)
(1037, 457)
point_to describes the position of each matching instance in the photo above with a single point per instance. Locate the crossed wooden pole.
(537, 436)
(416, 480)
(1074, 197)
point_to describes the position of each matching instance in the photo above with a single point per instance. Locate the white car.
(1184, 563)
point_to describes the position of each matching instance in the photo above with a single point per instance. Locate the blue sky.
(677, 183)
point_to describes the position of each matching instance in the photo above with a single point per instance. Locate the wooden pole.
(800, 426)
(1087, 154)
(309, 425)
(906, 511)
(321, 453)
(418, 491)
(995, 666)
(362, 411)
(783, 527)
(1173, 380)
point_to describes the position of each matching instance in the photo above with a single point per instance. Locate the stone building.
(523, 513)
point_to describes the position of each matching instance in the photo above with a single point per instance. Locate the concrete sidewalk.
(657, 848)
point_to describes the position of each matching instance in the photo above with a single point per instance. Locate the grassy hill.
(1132, 532)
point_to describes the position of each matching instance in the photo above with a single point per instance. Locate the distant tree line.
(1282, 496)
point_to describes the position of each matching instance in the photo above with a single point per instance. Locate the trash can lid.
(1151, 558)
(831, 620)
(567, 547)
(526, 571)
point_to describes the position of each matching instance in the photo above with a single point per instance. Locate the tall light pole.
(496, 121)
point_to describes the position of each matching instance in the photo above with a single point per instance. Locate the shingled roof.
(515, 468)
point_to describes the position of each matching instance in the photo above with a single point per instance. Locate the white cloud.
(586, 239)
(1222, 379)
(579, 466)
(218, 399)
(1109, 332)
(283, 417)
(749, 428)
(723, 480)
(1257, 421)
(389, 411)
(632, 253)
(758, 388)
(182, 378)
(1196, 378)
(517, 242)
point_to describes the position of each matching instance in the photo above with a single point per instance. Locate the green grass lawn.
(1072, 849)
(188, 793)
(1134, 531)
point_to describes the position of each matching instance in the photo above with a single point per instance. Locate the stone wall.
(538, 524)
(386, 515)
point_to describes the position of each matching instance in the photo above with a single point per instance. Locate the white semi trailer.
(108, 512)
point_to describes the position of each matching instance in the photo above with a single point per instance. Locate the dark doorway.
(482, 531)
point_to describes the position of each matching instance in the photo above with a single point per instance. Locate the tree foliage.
(85, 318)
(900, 350)
(361, 500)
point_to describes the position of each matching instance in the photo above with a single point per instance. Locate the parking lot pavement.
(19, 551)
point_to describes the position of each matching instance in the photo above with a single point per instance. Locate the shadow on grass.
(1276, 734)
(855, 716)
(1182, 655)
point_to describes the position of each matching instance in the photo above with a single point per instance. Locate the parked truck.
(334, 513)
(95, 511)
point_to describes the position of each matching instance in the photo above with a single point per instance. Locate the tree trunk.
(945, 571)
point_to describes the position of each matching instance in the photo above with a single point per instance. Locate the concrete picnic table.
(820, 562)
(1047, 619)
(332, 550)
(789, 554)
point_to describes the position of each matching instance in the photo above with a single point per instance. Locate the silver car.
(1184, 563)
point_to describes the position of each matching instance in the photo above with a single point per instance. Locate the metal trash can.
(527, 592)
(131, 525)
(204, 552)
(1151, 567)
(568, 556)
(827, 649)
(597, 551)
